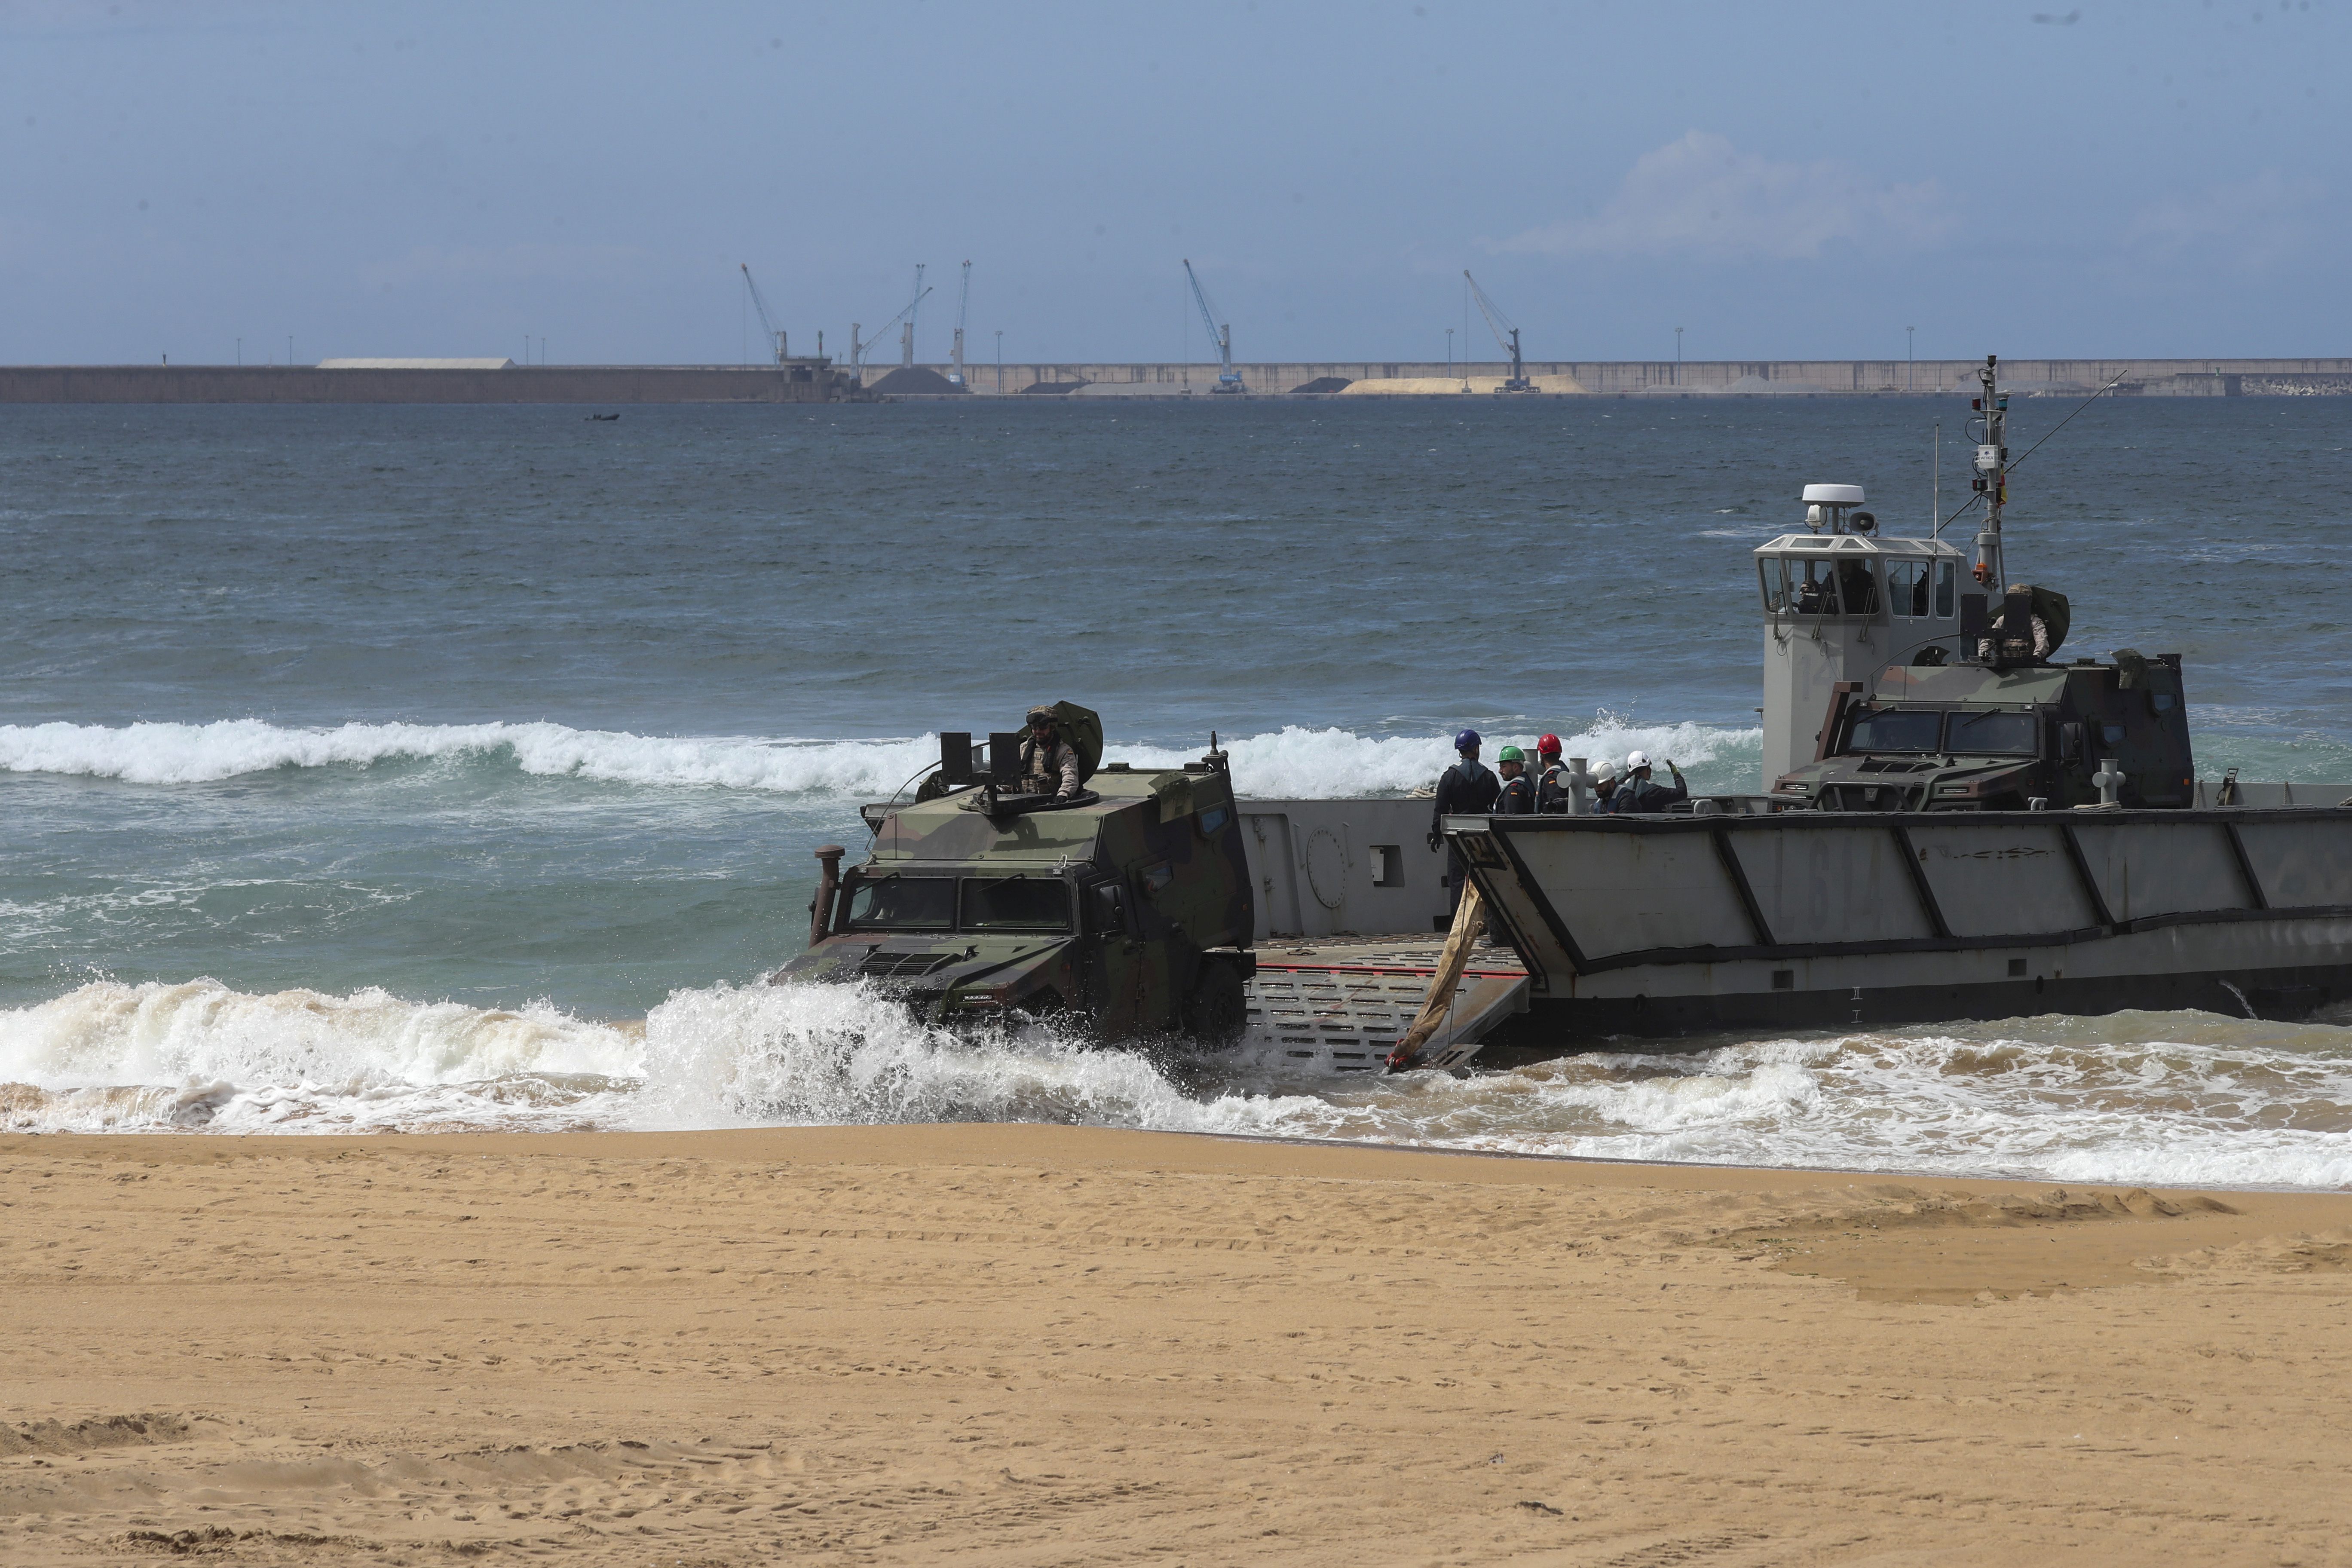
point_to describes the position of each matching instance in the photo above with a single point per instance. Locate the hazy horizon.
(2146, 182)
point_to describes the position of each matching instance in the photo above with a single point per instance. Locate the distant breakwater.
(820, 381)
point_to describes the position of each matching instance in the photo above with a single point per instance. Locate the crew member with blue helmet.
(1466, 789)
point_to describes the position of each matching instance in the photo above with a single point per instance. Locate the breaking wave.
(2159, 1098)
(1291, 763)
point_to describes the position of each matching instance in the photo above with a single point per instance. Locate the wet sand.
(1050, 1346)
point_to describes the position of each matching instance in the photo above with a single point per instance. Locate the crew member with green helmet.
(1518, 795)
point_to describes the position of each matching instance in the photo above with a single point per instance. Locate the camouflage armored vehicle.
(1126, 907)
(1979, 738)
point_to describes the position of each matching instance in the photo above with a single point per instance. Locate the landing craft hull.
(1660, 926)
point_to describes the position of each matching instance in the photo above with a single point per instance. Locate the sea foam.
(2175, 1098)
(1291, 763)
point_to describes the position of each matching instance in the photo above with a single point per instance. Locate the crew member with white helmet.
(1638, 796)
(1604, 790)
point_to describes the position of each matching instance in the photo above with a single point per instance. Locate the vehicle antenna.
(1936, 479)
(2078, 409)
(1960, 509)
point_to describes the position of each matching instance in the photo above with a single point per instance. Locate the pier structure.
(1622, 378)
(788, 380)
(818, 380)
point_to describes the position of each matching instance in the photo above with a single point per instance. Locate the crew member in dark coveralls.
(1466, 789)
(1552, 798)
(1637, 797)
(1517, 796)
(1604, 791)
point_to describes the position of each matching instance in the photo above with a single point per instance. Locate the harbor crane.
(1228, 379)
(1497, 323)
(858, 351)
(767, 323)
(964, 309)
(907, 332)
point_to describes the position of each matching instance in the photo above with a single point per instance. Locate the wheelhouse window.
(903, 903)
(1914, 729)
(1858, 586)
(1943, 590)
(1794, 585)
(1906, 587)
(2005, 735)
(1015, 903)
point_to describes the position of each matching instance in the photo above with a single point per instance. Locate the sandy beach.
(1050, 1346)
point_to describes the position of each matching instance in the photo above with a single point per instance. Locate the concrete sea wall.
(808, 382)
(812, 381)
(1607, 378)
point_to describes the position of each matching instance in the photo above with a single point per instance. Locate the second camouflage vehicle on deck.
(1126, 907)
(1981, 737)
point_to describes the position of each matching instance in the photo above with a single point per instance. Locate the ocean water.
(456, 767)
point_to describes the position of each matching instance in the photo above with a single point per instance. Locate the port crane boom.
(1499, 325)
(858, 351)
(964, 309)
(1222, 334)
(767, 323)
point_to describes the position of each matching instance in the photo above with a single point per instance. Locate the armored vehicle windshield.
(1897, 729)
(1018, 902)
(891, 902)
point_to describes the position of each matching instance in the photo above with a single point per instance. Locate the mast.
(1992, 474)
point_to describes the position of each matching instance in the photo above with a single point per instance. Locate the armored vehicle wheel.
(1215, 1010)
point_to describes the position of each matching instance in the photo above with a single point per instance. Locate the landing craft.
(1954, 824)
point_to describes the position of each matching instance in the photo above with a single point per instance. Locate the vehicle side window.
(1858, 586)
(1015, 903)
(1906, 587)
(1943, 590)
(2018, 734)
(903, 903)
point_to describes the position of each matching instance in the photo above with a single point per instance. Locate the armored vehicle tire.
(1215, 1011)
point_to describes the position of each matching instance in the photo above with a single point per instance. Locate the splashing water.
(2172, 1099)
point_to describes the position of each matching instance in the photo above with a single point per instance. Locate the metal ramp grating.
(1350, 1020)
(1349, 1017)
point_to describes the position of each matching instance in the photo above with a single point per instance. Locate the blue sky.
(1781, 181)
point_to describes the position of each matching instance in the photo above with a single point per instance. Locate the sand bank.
(1047, 1345)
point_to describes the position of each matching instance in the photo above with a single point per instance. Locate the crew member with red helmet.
(1551, 778)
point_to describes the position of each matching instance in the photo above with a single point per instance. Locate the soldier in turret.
(1049, 765)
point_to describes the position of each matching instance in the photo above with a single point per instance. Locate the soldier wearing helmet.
(1552, 798)
(1517, 796)
(1466, 789)
(1049, 765)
